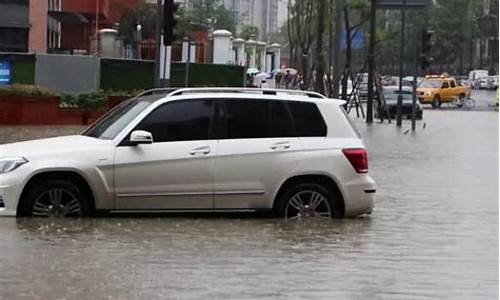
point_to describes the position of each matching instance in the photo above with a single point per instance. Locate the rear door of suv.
(258, 148)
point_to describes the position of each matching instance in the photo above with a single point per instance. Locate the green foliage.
(209, 14)
(84, 100)
(123, 93)
(25, 90)
(358, 4)
(143, 14)
(249, 31)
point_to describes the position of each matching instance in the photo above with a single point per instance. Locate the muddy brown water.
(433, 234)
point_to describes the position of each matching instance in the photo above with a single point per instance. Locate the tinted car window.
(246, 118)
(307, 119)
(281, 120)
(180, 121)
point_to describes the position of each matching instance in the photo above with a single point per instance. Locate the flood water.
(433, 234)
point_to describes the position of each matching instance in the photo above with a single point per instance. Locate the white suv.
(197, 150)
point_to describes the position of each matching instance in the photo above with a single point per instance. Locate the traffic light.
(425, 55)
(169, 21)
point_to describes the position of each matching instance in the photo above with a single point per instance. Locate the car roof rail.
(180, 91)
(156, 91)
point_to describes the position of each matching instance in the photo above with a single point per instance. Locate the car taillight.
(358, 159)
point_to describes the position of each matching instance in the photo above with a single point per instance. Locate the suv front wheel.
(307, 200)
(56, 198)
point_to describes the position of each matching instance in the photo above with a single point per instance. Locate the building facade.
(260, 13)
(42, 26)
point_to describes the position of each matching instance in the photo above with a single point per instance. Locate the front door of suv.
(256, 151)
(176, 170)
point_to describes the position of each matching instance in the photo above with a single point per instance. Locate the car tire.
(314, 200)
(56, 198)
(436, 102)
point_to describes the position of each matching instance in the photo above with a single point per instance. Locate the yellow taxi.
(437, 89)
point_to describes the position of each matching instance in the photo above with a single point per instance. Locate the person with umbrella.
(288, 79)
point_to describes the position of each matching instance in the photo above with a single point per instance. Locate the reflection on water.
(433, 235)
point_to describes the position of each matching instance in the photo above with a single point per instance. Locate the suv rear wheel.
(308, 200)
(56, 198)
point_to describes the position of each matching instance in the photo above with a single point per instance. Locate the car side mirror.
(141, 137)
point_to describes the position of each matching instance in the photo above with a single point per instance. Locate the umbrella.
(276, 71)
(290, 70)
(262, 75)
(252, 71)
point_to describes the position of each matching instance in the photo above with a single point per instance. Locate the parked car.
(475, 76)
(197, 150)
(437, 89)
(391, 99)
(488, 82)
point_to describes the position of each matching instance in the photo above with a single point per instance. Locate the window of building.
(13, 39)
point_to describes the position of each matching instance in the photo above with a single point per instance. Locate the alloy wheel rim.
(308, 204)
(56, 202)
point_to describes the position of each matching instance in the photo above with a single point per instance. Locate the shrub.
(25, 90)
(84, 100)
(123, 93)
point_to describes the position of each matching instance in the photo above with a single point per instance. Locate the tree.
(301, 34)
(249, 31)
(143, 14)
(319, 58)
(209, 14)
(350, 7)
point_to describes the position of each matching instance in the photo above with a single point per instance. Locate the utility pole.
(371, 63)
(401, 58)
(336, 49)
(188, 60)
(159, 9)
(414, 84)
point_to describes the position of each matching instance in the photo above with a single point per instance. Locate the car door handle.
(200, 150)
(281, 145)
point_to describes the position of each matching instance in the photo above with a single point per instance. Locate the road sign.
(357, 40)
(5, 72)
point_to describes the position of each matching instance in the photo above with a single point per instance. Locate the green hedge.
(23, 67)
(203, 75)
(126, 75)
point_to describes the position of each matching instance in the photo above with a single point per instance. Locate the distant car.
(474, 77)
(437, 89)
(391, 100)
(488, 82)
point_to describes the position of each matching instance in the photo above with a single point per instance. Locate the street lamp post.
(138, 40)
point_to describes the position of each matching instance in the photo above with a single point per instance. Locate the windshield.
(112, 123)
(392, 95)
(434, 83)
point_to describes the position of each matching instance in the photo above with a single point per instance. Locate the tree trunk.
(320, 62)
(348, 53)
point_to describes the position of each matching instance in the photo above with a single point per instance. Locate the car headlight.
(428, 94)
(8, 164)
